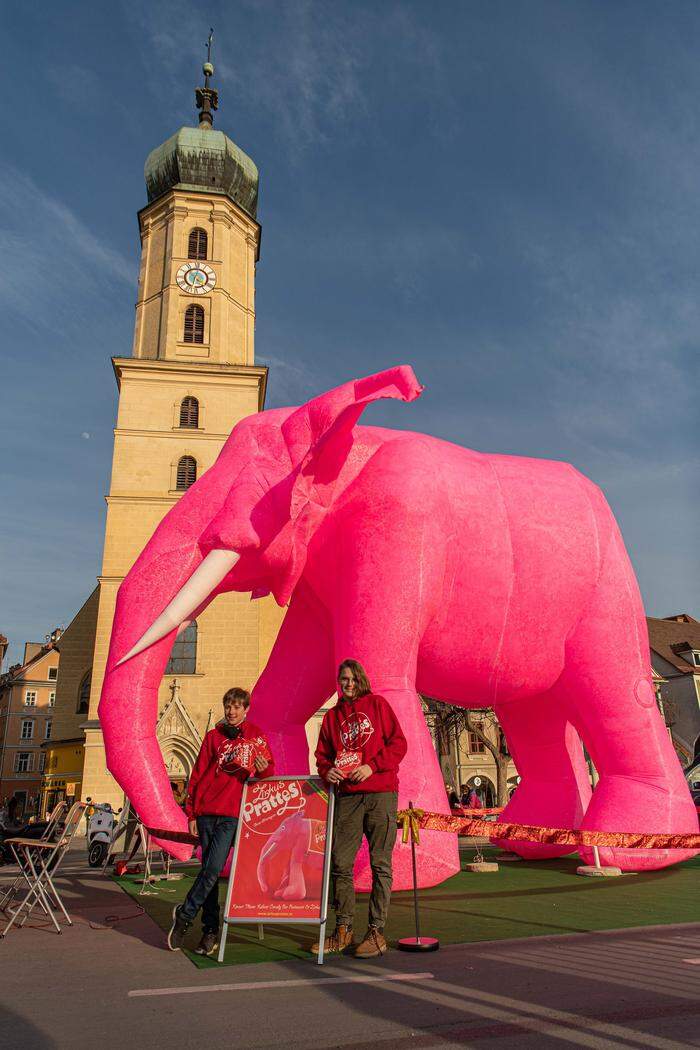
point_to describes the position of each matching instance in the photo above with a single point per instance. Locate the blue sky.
(505, 195)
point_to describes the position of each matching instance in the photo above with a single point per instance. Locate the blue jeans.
(216, 835)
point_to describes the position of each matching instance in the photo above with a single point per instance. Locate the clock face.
(196, 278)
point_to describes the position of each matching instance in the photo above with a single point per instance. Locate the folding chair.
(48, 835)
(39, 861)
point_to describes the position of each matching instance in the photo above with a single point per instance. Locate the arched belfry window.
(186, 473)
(189, 412)
(197, 244)
(84, 695)
(183, 655)
(194, 324)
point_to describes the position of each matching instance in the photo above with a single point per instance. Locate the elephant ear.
(319, 438)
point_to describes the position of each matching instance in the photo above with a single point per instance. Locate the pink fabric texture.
(479, 580)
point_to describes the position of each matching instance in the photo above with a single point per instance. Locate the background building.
(27, 701)
(190, 379)
(64, 751)
(675, 656)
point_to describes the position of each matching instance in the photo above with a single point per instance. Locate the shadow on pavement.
(17, 1031)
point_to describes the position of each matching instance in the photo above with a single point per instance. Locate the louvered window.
(194, 324)
(189, 412)
(186, 472)
(84, 694)
(197, 244)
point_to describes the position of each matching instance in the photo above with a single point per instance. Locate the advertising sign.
(281, 857)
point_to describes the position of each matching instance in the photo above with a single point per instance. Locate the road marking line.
(693, 962)
(247, 986)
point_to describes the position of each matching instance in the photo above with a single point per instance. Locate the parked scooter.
(99, 833)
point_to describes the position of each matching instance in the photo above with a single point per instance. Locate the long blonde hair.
(363, 686)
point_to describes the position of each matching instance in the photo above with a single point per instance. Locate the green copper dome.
(203, 159)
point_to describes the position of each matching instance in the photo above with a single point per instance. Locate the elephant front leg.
(380, 620)
(293, 886)
(297, 680)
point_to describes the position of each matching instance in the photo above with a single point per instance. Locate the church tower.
(191, 377)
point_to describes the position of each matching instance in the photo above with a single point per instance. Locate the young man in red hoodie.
(231, 752)
(359, 750)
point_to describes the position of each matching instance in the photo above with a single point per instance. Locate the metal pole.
(417, 943)
(415, 875)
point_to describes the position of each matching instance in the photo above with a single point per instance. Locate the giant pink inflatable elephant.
(476, 579)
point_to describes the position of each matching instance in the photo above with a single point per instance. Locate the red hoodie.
(222, 768)
(362, 732)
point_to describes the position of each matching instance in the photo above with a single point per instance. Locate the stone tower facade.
(190, 379)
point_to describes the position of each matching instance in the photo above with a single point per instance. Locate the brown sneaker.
(338, 941)
(372, 945)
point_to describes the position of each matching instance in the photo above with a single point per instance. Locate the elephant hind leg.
(610, 698)
(554, 788)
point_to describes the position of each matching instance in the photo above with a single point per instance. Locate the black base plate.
(418, 944)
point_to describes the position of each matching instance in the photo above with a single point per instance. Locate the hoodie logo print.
(356, 730)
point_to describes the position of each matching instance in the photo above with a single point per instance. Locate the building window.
(84, 695)
(47, 733)
(186, 473)
(24, 762)
(27, 729)
(183, 658)
(42, 761)
(53, 674)
(197, 243)
(194, 324)
(476, 746)
(30, 698)
(52, 699)
(189, 412)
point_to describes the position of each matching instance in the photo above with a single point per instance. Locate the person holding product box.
(359, 750)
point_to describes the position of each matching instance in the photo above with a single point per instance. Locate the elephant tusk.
(201, 583)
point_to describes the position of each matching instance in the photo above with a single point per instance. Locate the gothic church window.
(186, 473)
(183, 657)
(194, 324)
(197, 244)
(189, 412)
(84, 695)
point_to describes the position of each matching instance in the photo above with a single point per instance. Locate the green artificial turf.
(521, 899)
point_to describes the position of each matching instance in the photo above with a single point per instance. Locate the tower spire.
(207, 97)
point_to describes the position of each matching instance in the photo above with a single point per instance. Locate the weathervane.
(207, 97)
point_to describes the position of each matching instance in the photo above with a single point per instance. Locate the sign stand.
(268, 808)
(417, 943)
(596, 869)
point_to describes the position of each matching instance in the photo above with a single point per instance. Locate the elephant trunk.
(128, 710)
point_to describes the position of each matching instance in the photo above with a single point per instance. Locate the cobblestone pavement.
(107, 981)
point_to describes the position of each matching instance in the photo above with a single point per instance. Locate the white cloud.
(300, 66)
(78, 85)
(47, 248)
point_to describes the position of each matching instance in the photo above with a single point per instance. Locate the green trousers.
(372, 814)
